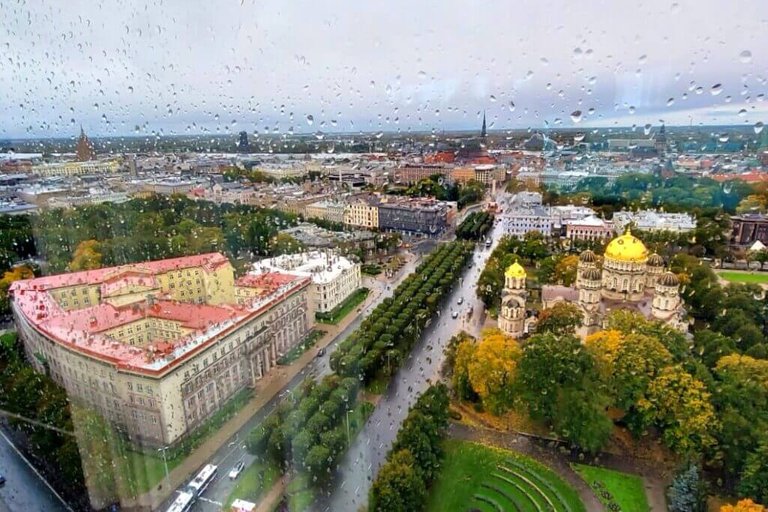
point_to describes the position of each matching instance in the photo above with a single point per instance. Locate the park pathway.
(547, 452)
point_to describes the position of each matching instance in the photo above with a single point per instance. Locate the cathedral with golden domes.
(627, 277)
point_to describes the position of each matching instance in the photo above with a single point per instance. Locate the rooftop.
(84, 330)
(323, 267)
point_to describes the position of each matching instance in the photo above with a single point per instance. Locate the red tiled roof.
(269, 281)
(209, 262)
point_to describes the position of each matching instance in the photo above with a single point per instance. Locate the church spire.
(483, 132)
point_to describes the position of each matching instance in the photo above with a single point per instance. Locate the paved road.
(369, 449)
(25, 490)
(229, 454)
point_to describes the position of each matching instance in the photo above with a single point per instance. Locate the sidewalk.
(264, 391)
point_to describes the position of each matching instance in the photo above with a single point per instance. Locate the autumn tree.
(680, 405)
(627, 363)
(491, 369)
(562, 318)
(87, 256)
(565, 270)
(743, 506)
(15, 274)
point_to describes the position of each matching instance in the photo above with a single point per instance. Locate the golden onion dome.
(515, 270)
(626, 248)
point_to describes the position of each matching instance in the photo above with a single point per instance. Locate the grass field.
(625, 490)
(142, 471)
(335, 315)
(252, 482)
(744, 277)
(478, 477)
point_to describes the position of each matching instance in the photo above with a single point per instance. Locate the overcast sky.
(179, 66)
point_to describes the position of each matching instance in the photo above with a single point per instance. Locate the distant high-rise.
(84, 148)
(483, 132)
(661, 141)
(242, 145)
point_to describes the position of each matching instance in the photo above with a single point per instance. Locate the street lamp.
(165, 460)
(347, 417)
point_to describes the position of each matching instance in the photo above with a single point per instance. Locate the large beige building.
(362, 213)
(158, 347)
(334, 277)
(76, 168)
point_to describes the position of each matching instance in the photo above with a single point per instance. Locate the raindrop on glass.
(758, 127)
(576, 116)
(715, 90)
(745, 56)
(310, 120)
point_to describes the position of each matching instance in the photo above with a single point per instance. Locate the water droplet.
(715, 90)
(642, 60)
(578, 137)
(758, 127)
(492, 98)
(578, 52)
(511, 106)
(745, 56)
(422, 75)
(647, 129)
(742, 112)
(576, 116)
(723, 137)
(631, 109)
(310, 120)
(319, 135)
(670, 102)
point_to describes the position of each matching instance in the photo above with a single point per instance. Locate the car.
(236, 470)
(460, 301)
(321, 352)
(454, 314)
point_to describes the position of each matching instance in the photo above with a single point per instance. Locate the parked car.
(460, 301)
(321, 352)
(235, 472)
(454, 314)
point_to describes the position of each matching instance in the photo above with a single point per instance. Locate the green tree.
(561, 319)
(754, 478)
(398, 487)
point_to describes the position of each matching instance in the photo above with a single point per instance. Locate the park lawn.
(627, 490)
(335, 315)
(468, 466)
(300, 493)
(744, 277)
(142, 471)
(249, 486)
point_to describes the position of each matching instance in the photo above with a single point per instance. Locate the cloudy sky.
(196, 66)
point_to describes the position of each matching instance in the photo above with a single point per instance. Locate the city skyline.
(303, 68)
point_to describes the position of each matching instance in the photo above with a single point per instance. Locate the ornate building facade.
(626, 277)
(512, 314)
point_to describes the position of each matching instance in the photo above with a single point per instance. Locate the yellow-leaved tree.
(87, 256)
(679, 404)
(743, 506)
(491, 369)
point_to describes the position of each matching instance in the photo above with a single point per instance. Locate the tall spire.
(483, 132)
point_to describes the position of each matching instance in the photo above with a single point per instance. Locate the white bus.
(183, 502)
(206, 475)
